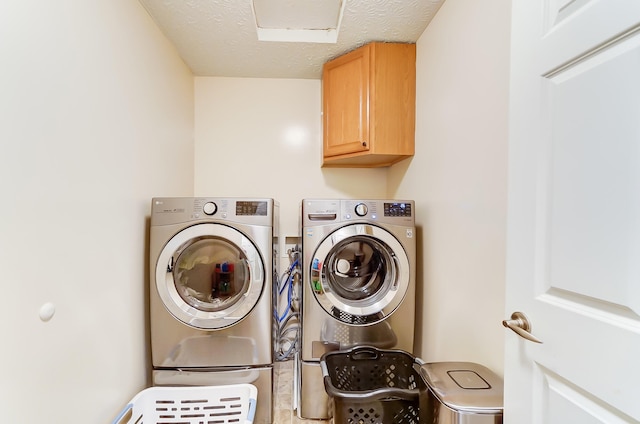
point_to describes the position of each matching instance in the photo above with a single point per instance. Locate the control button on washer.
(361, 209)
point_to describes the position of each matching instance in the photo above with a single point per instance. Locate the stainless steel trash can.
(460, 393)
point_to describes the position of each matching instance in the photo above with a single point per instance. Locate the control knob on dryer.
(361, 209)
(209, 208)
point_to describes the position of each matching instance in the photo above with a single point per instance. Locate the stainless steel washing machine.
(211, 306)
(359, 285)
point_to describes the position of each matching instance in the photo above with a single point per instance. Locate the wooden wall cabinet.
(368, 103)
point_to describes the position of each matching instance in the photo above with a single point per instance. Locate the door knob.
(521, 326)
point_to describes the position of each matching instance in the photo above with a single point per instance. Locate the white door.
(574, 212)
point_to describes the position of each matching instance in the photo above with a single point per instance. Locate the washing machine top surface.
(316, 212)
(240, 210)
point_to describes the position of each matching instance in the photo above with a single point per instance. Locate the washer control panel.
(361, 209)
(322, 211)
(376, 209)
(398, 209)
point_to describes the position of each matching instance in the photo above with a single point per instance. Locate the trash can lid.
(465, 386)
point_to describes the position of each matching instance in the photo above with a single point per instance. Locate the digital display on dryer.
(397, 209)
(251, 208)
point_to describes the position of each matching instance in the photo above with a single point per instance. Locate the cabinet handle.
(364, 144)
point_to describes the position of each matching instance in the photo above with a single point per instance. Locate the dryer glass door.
(361, 275)
(209, 276)
(210, 273)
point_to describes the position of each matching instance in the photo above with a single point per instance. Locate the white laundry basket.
(234, 403)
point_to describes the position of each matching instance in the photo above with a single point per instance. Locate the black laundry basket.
(372, 386)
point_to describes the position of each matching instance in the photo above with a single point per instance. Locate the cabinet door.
(346, 103)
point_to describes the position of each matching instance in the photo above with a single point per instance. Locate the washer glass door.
(209, 276)
(360, 274)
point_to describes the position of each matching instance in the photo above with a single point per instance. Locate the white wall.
(458, 179)
(96, 117)
(263, 138)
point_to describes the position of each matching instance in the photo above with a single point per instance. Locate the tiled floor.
(283, 386)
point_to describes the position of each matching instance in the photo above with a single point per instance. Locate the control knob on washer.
(361, 209)
(209, 208)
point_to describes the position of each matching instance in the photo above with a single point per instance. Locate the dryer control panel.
(178, 210)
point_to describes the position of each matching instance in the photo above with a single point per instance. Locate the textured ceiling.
(218, 37)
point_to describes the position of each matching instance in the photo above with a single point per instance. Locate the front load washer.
(211, 306)
(359, 285)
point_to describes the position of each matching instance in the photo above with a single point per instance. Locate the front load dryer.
(211, 306)
(359, 285)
